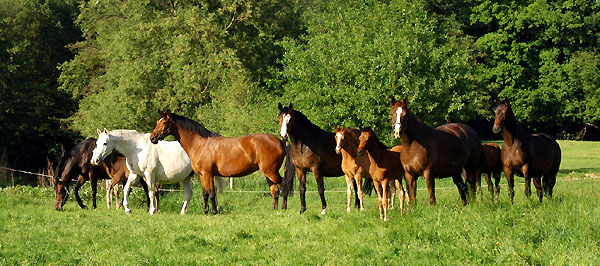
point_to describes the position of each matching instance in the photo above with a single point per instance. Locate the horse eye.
(105, 144)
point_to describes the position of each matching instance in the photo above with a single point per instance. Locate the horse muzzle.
(496, 129)
(95, 161)
(337, 151)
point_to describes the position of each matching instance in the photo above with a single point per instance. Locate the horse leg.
(349, 184)
(302, 187)
(537, 182)
(489, 183)
(274, 181)
(115, 188)
(548, 182)
(379, 191)
(150, 179)
(411, 186)
(274, 190)
(132, 178)
(208, 190)
(358, 191)
(525, 172)
(321, 188)
(80, 182)
(391, 194)
(400, 192)
(187, 192)
(511, 183)
(108, 195)
(94, 183)
(497, 185)
(385, 187)
(430, 179)
(462, 188)
(356, 186)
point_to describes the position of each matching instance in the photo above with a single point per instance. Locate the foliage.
(357, 54)
(202, 59)
(532, 52)
(32, 39)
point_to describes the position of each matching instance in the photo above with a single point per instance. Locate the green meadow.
(562, 230)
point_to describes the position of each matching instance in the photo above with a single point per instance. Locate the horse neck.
(187, 138)
(129, 144)
(512, 129)
(304, 130)
(376, 151)
(415, 131)
(350, 146)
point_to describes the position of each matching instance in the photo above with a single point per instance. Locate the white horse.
(165, 162)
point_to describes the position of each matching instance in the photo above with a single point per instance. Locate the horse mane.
(377, 141)
(194, 126)
(72, 153)
(308, 126)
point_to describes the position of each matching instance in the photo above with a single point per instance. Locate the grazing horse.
(490, 165)
(312, 149)
(214, 155)
(165, 163)
(527, 155)
(435, 152)
(385, 167)
(75, 164)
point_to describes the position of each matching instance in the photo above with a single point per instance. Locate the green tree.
(202, 59)
(33, 35)
(357, 54)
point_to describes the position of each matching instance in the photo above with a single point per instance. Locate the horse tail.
(368, 186)
(289, 172)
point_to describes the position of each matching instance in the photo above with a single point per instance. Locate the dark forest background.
(69, 67)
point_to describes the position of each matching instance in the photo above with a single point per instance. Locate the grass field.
(563, 230)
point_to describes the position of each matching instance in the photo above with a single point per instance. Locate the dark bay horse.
(312, 149)
(435, 152)
(214, 155)
(75, 164)
(527, 155)
(491, 166)
(385, 167)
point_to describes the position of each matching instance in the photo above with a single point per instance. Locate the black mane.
(192, 125)
(75, 153)
(303, 126)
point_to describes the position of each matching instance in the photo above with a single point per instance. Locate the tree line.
(68, 67)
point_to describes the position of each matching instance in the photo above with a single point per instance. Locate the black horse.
(312, 149)
(75, 164)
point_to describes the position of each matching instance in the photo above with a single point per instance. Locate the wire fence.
(588, 177)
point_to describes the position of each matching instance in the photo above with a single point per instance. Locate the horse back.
(455, 146)
(490, 158)
(545, 153)
(317, 152)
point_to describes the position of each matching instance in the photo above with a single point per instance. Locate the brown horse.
(214, 155)
(355, 167)
(75, 164)
(435, 152)
(312, 149)
(385, 167)
(490, 165)
(527, 155)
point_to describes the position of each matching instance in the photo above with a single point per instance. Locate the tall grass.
(563, 230)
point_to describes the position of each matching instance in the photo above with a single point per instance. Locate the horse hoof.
(348, 210)
(302, 211)
(323, 211)
(84, 207)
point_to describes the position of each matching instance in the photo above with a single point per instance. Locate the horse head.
(163, 128)
(340, 136)
(104, 147)
(365, 140)
(399, 112)
(502, 110)
(285, 119)
(61, 194)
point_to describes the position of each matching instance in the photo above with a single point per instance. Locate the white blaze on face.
(397, 124)
(338, 140)
(284, 125)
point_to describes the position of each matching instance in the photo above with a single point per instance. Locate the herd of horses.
(450, 150)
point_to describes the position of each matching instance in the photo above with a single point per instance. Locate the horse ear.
(280, 106)
(405, 101)
(506, 101)
(105, 131)
(344, 128)
(290, 108)
(393, 100)
(160, 113)
(98, 131)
